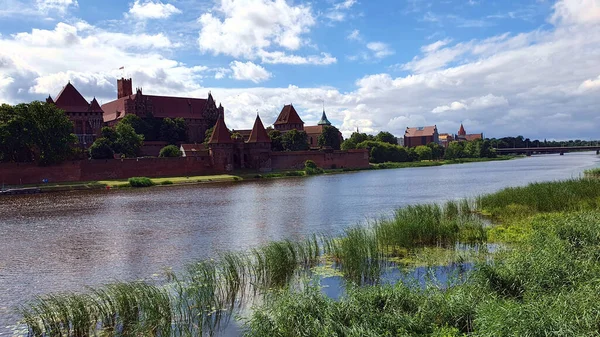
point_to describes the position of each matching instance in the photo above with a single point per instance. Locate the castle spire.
(324, 120)
(258, 133)
(220, 133)
(461, 131)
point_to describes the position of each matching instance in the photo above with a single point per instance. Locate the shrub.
(101, 149)
(311, 168)
(140, 182)
(167, 182)
(310, 164)
(170, 151)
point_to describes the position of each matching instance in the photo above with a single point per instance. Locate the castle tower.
(461, 131)
(288, 119)
(324, 120)
(258, 148)
(124, 88)
(221, 146)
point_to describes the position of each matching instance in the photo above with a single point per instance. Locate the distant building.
(400, 141)
(199, 114)
(463, 136)
(421, 136)
(289, 119)
(193, 150)
(86, 117)
(445, 139)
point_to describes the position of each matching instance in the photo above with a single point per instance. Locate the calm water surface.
(65, 241)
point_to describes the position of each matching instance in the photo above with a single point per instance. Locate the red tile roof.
(162, 107)
(473, 136)
(288, 115)
(259, 134)
(70, 100)
(462, 131)
(314, 129)
(420, 131)
(95, 107)
(220, 133)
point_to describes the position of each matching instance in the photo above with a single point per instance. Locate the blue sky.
(500, 67)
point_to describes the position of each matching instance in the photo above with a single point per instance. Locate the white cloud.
(249, 72)
(476, 103)
(590, 84)
(245, 27)
(152, 10)
(576, 12)
(60, 6)
(282, 58)
(354, 35)
(339, 11)
(435, 46)
(347, 4)
(380, 49)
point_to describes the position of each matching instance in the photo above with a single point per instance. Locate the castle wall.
(326, 160)
(92, 170)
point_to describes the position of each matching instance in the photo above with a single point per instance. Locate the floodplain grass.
(594, 173)
(140, 182)
(555, 260)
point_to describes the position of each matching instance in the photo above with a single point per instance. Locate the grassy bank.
(427, 163)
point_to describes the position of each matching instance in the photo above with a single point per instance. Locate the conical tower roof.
(288, 115)
(70, 100)
(461, 131)
(95, 107)
(220, 133)
(324, 120)
(258, 133)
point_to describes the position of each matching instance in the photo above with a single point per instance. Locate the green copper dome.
(324, 120)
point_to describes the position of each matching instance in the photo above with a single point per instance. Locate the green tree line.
(383, 148)
(36, 132)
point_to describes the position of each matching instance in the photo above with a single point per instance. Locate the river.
(66, 241)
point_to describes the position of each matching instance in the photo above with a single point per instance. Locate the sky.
(504, 68)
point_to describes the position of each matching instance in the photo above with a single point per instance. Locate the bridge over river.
(545, 150)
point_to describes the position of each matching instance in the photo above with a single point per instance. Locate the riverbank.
(559, 212)
(169, 181)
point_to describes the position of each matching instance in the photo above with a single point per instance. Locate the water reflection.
(64, 241)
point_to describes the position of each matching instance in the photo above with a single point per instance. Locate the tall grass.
(547, 285)
(197, 300)
(558, 196)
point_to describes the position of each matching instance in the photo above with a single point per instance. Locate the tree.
(329, 137)
(170, 151)
(109, 133)
(14, 142)
(35, 130)
(276, 139)
(386, 137)
(486, 150)
(424, 152)
(140, 126)
(295, 140)
(173, 130)
(101, 149)
(128, 142)
(355, 139)
(437, 151)
(380, 152)
(455, 150)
